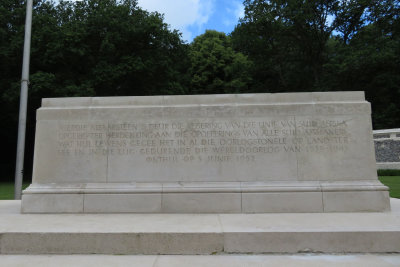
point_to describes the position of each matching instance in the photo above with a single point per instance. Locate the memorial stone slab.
(244, 153)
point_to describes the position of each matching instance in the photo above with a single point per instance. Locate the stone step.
(305, 260)
(172, 234)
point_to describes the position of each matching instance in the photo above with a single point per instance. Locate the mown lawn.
(7, 190)
(393, 182)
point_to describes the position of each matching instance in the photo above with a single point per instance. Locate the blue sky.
(193, 17)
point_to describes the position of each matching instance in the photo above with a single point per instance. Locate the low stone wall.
(387, 148)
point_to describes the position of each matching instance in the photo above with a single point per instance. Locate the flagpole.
(19, 167)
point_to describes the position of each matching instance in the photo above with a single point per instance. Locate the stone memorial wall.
(387, 148)
(305, 152)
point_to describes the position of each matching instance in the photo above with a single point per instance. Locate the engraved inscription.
(239, 140)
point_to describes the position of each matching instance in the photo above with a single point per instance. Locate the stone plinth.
(250, 153)
(198, 234)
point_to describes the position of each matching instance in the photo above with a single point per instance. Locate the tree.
(369, 61)
(287, 40)
(321, 45)
(216, 67)
(12, 18)
(109, 47)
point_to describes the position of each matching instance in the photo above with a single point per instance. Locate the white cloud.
(181, 14)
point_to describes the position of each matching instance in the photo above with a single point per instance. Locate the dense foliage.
(113, 47)
(215, 67)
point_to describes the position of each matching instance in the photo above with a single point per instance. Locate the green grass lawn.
(393, 182)
(7, 190)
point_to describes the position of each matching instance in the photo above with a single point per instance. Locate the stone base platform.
(207, 197)
(198, 234)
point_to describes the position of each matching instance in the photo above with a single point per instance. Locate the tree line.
(113, 47)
